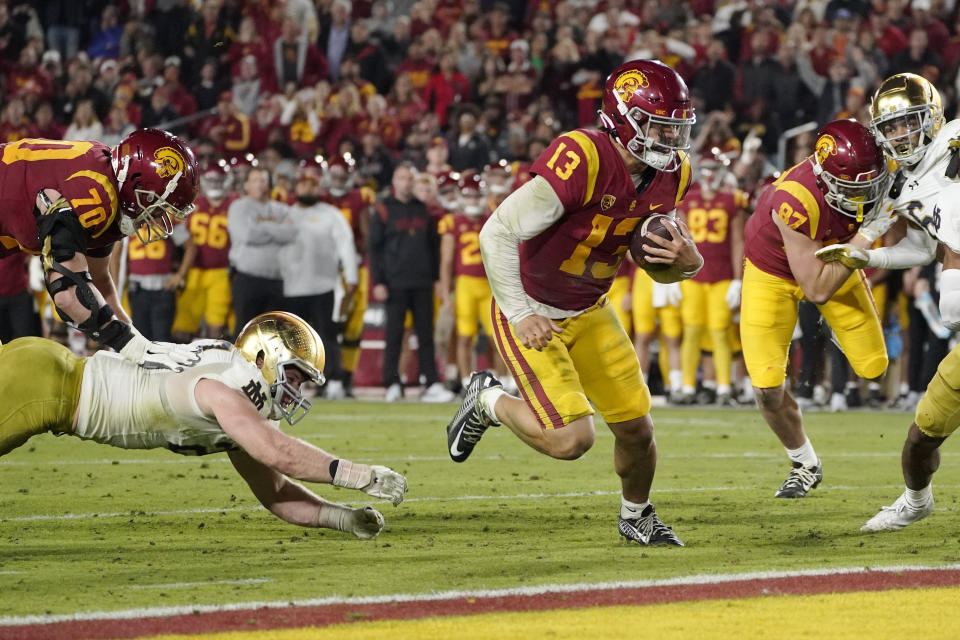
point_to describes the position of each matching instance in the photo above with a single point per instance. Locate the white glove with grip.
(386, 483)
(159, 355)
(366, 523)
(376, 481)
(733, 294)
(846, 254)
(873, 229)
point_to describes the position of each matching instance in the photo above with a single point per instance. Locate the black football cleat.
(471, 420)
(800, 481)
(647, 529)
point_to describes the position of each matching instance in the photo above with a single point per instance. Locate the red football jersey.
(151, 259)
(466, 233)
(798, 201)
(352, 205)
(709, 221)
(571, 264)
(80, 171)
(208, 228)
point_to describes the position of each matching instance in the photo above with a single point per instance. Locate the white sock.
(488, 400)
(676, 379)
(629, 510)
(916, 499)
(710, 384)
(805, 455)
(723, 389)
(873, 386)
(688, 390)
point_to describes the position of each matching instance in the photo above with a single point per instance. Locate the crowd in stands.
(462, 85)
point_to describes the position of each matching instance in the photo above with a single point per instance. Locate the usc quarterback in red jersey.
(821, 201)
(551, 250)
(71, 200)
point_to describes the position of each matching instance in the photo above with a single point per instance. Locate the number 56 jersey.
(80, 171)
(572, 264)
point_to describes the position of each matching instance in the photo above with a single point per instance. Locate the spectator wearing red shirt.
(447, 87)
(296, 61)
(28, 76)
(405, 102)
(498, 36)
(44, 124)
(14, 124)
(180, 98)
(123, 96)
(937, 33)
(248, 43)
(302, 123)
(265, 125)
(378, 120)
(228, 128)
(418, 66)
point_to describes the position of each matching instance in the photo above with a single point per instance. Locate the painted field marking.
(11, 573)
(187, 585)
(580, 587)
(462, 498)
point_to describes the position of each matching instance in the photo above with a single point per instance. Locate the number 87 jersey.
(572, 264)
(80, 171)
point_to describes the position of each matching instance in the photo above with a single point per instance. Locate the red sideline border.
(319, 616)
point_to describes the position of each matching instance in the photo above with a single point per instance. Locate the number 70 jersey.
(571, 264)
(80, 171)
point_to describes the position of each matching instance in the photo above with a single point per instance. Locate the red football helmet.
(157, 175)
(850, 166)
(339, 177)
(646, 106)
(473, 195)
(314, 168)
(448, 190)
(216, 180)
(499, 177)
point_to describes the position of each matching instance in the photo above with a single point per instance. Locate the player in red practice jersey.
(356, 205)
(714, 212)
(551, 250)
(823, 200)
(207, 298)
(69, 201)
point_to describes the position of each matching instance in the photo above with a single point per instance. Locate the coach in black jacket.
(404, 264)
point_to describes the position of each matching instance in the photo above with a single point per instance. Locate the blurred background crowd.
(457, 97)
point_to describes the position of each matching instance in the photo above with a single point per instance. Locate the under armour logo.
(254, 391)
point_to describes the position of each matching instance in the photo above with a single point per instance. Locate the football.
(640, 240)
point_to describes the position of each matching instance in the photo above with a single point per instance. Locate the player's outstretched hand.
(846, 254)
(386, 483)
(365, 523)
(160, 355)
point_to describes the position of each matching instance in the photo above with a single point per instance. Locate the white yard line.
(701, 579)
(188, 585)
(462, 498)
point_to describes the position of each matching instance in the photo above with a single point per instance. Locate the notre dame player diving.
(228, 402)
(907, 119)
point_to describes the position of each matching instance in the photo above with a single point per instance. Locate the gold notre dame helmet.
(905, 115)
(281, 340)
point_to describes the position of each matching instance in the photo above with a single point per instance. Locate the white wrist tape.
(352, 475)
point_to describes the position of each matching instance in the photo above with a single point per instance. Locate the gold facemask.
(905, 115)
(281, 340)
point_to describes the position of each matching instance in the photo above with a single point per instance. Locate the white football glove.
(366, 523)
(666, 294)
(846, 254)
(159, 355)
(386, 483)
(873, 229)
(733, 294)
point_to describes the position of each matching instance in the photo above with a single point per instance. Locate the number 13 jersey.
(571, 264)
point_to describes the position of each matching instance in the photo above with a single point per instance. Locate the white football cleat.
(334, 390)
(394, 393)
(436, 393)
(897, 516)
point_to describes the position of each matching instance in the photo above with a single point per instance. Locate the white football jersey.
(127, 406)
(926, 193)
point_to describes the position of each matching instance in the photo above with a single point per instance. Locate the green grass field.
(85, 527)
